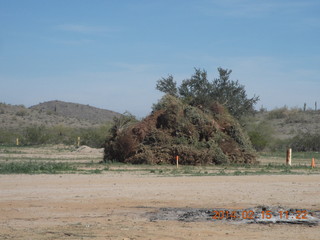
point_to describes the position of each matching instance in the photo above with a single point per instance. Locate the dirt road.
(114, 205)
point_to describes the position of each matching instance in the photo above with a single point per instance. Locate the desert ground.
(117, 204)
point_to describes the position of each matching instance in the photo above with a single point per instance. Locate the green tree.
(167, 85)
(196, 90)
(232, 94)
(199, 91)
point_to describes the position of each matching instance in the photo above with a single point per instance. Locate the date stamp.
(255, 215)
(263, 215)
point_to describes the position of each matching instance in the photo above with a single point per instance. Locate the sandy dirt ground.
(114, 205)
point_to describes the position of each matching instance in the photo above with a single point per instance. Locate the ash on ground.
(256, 215)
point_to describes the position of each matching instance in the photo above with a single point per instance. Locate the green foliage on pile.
(198, 136)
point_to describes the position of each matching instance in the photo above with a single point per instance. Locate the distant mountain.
(53, 113)
(76, 110)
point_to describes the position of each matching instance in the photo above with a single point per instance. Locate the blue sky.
(110, 53)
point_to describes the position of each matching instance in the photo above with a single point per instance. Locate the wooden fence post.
(289, 155)
(313, 163)
(177, 161)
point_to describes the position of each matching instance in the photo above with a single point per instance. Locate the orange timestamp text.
(250, 214)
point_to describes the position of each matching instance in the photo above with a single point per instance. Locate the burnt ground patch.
(255, 215)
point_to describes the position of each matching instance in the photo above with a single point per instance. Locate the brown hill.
(53, 113)
(74, 110)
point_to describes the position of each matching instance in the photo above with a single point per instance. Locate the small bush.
(261, 136)
(279, 145)
(259, 141)
(278, 113)
(35, 135)
(296, 117)
(306, 142)
(8, 137)
(21, 113)
(94, 137)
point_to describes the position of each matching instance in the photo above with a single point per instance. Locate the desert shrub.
(278, 113)
(53, 135)
(292, 115)
(35, 135)
(5, 137)
(8, 137)
(94, 137)
(306, 142)
(279, 145)
(259, 141)
(295, 116)
(21, 113)
(49, 112)
(261, 135)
